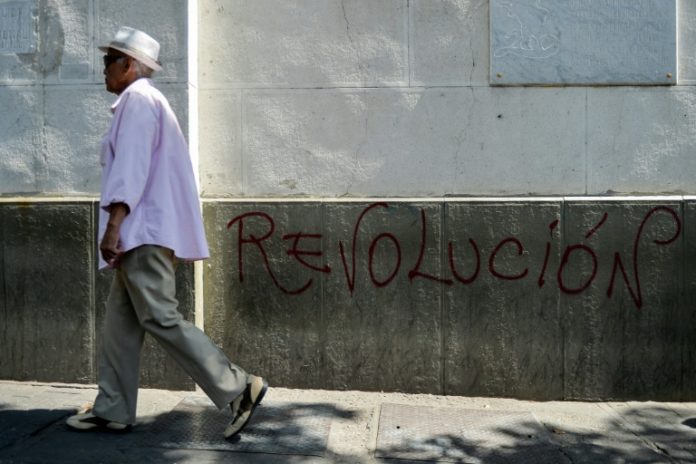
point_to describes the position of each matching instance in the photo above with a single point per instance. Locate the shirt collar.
(136, 84)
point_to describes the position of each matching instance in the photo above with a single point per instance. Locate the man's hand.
(110, 246)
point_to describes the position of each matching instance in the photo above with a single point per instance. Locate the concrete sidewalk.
(352, 427)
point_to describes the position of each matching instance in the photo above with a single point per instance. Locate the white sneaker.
(87, 421)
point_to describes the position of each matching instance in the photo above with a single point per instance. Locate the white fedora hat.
(136, 44)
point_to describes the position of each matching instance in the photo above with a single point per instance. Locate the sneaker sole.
(87, 426)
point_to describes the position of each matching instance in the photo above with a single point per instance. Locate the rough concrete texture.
(542, 300)
(291, 344)
(53, 147)
(52, 298)
(304, 119)
(502, 321)
(689, 317)
(449, 43)
(382, 325)
(297, 81)
(55, 108)
(626, 334)
(315, 43)
(46, 316)
(641, 140)
(488, 141)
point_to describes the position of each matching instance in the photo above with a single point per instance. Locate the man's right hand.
(110, 246)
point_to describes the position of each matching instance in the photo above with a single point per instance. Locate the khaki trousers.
(142, 299)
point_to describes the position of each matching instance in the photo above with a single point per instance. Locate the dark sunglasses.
(109, 59)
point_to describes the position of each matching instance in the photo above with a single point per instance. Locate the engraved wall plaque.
(17, 27)
(583, 42)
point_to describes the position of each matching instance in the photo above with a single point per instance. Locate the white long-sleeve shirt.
(146, 165)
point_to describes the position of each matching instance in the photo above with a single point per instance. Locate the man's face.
(116, 67)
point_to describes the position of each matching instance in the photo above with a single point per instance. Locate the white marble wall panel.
(17, 56)
(522, 141)
(449, 42)
(67, 41)
(220, 142)
(51, 143)
(62, 44)
(313, 43)
(687, 42)
(583, 42)
(641, 140)
(165, 20)
(76, 119)
(178, 97)
(477, 141)
(20, 139)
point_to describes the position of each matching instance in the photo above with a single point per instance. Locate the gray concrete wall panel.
(67, 28)
(622, 330)
(22, 167)
(47, 315)
(543, 299)
(507, 298)
(687, 325)
(52, 144)
(53, 299)
(262, 306)
(55, 107)
(382, 316)
(315, 43)
(503, 331)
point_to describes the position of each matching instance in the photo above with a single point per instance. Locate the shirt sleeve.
(133, 144)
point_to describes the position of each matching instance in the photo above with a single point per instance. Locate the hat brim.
(146, 60)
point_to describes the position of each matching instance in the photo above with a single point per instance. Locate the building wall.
(54, 111)
(359, 98)
(379, 215)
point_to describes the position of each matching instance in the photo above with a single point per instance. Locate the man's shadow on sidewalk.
(21, 424)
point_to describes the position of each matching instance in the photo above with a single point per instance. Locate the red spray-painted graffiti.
(299, 250)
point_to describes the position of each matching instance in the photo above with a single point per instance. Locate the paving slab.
(667, 429)
(463, 435)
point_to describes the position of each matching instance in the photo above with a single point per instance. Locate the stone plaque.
(583, 42)
(17, 27)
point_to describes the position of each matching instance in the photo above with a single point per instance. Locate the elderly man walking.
(150, 218)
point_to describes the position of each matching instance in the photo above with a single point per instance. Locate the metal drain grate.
(276, 428)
